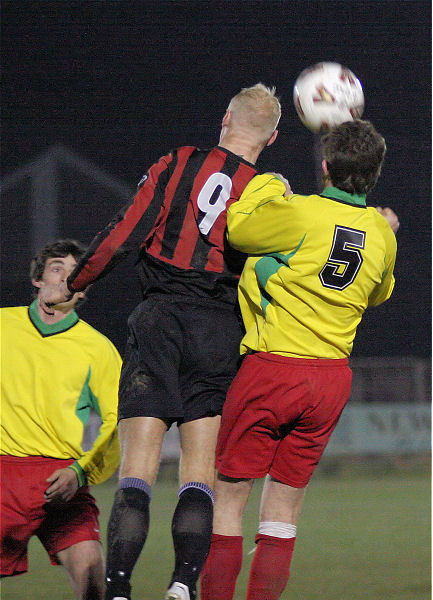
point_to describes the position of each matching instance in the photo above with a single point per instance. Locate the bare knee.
(84, 564)
(140, 442)
(231, 499)
(281, 502)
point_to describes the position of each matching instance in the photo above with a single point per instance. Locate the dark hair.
(60, 248)
(354, 152)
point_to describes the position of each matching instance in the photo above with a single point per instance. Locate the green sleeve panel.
(99, 393)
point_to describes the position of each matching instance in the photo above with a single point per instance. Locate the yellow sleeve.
(258, 222)
(383, 291)
(100, 462)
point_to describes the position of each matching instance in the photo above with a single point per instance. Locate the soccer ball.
(326, 95)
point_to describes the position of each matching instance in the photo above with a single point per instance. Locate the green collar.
(337, 194)
(46, 330)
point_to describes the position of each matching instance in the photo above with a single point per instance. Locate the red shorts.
(279, 415)
(25, 513)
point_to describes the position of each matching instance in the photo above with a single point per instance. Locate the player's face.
(55, 273)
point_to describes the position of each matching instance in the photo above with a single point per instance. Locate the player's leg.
(70, 534)
(84, 563)
(224, 562)
(308, 411)
(209, 361)
(244, 452)
(279, 512)
(140, 441)
(192, 519)
(21, 509)
(148, 396)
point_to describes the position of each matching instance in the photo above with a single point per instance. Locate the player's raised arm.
(126, 231)
(390, 216)
(384, 289)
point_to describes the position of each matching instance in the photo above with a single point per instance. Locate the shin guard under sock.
(222, 567)
(192, 531)
(270, 569)
(127, 532)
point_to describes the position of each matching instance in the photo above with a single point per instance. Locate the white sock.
(277, 529)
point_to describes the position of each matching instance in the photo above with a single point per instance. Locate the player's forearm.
(107, 248)
(100, 462)
(383, 292)
(125, 232)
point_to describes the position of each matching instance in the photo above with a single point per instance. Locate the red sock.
(270, 570)
(222, 567)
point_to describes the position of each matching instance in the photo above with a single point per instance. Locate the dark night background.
(120, 83)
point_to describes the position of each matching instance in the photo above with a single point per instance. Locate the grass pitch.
(362, 536)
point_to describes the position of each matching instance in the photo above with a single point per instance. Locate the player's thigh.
(210, 358)
(280, 502)
(140, 446)
(248, 434)
(149, 382)
(23, 483)
(68, 524)
(198, 441)
(17, 527)
(323, 399)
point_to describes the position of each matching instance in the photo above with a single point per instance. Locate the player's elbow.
(238, 242)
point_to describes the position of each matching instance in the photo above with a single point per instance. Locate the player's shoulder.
(177, 153)
(184, 154)
(379, 221)
(267, 185)
(98, 339)
(13, 312)
(382, 227)
(13, 309)
(184, 150)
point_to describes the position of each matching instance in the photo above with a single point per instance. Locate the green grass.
(363, 535)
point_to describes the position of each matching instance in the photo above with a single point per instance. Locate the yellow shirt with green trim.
(316, 262)
(51, 378)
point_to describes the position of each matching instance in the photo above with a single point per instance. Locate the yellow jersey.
(315, 263)
(51, 378)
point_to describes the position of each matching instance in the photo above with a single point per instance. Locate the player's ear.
(325, 167)
(37, 283)
(273, 137)
(226, 118)
(81, 295)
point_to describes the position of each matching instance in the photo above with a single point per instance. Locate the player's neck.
(248, 149)
(49, 315)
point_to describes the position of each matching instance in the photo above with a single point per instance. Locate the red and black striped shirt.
(177, 221)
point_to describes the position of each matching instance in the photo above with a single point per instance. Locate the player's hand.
(390, 216)
(284, 180)
(63, 485)
(55, 294)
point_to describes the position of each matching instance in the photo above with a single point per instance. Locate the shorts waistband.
(32, 460)
(301, 362)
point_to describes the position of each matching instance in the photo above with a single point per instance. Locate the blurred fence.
(389, 411)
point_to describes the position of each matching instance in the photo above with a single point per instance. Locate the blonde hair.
(257, 107)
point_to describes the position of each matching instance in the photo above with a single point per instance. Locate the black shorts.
(181, 357)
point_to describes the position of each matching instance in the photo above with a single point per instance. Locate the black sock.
(192, 531)
(127, 531)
